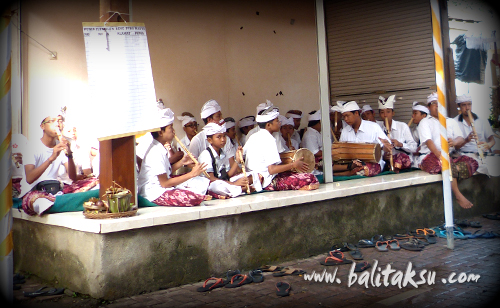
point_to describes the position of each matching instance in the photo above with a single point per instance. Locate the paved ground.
(472, 256)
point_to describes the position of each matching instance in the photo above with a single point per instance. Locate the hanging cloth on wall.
(469, 63)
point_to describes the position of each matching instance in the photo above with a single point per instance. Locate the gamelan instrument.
(344, 152)
(292, 156)
(189, 153)
(479, 150)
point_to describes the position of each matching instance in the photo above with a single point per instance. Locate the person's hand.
(396, 143)
(186, 160)
(485, 146)
(471, 137)
(239, 155)
(387, 155)
(300, 165)
(198, 169)
(356, 164)
(243, 182)
(57, 150)
(387, 145)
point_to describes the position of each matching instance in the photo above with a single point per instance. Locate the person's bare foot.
(463, 202)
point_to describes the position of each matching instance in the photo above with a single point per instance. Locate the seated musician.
(219, 168)
(484, 138)
(210, 113)
(367, 113)
(428, 129)
(262, 156)
(276, 134)
(286, 131)
(155, 182)
(190, 128)
(19, 148)
(232, 142)
(245, 125)
(312, 136)
(296, 115)
(360, 131)
(336, 123)
(400, 135)
(462, 167)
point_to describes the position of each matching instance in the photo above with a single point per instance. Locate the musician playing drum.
(400, 135)
(360, 131)
(262, 156)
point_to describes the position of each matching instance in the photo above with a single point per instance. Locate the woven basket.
(110, 215)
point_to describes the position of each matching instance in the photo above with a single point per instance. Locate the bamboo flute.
(471, 119)
(389, 136)
(189, 153)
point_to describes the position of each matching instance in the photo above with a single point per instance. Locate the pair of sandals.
(464, 223)
(351, 248)
(384, 246)
(280, 271)
(234, 279)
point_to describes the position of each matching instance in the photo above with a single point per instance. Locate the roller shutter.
(380, 47)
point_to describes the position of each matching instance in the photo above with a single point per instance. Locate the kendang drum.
(291, 156)
(343, 152)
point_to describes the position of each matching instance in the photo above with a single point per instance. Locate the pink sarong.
(401, 161)
(293, 181)
(179, 197)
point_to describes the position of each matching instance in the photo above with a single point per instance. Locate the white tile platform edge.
(155, 216)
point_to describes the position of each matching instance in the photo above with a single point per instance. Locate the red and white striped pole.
(441, 91)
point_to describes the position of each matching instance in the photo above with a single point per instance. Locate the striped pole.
(441, 91)
(6, 245)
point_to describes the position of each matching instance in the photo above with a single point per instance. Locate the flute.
(189, 153)
(410, 123)
(244, 170)
(334, 137)
(289, 142)
(479, 150)
(389, 136)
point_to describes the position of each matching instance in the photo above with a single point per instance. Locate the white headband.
(246, 121)
(269, 116)
(335, 109)
(285, 121)
(214, 128)
(186, 119)
(209, 108)
(386, 103)
(166, 117)
(229, 124)
(463, 98)
(432, 97)
(264, 106)
(421, 108)
(366, 108)
(349, 106)
(316, 116)
(293, 115)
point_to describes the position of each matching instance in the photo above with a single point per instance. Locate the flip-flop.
(283, 289)
(477, 234)
(464, 223)
(460, 235)
(378, 238)
(44, 291)
(256, 275)
(365, 244)
(356, 254)
(491, 216)
(337, 247)
(488, 234)
(475, 224)
(289, 271)
(270, 268)
(381, 246)
(401, 236)
(230, 274)
(412, 245)
(217, 283)
(362, 266)
(393, 244)
(335, 258)
(350, 246)
(238, 280)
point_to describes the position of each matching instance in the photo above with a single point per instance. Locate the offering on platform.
(116, 204)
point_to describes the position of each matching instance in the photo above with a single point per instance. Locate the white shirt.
(230, 147)
(483, 133)
(185, 141)
(401, 132)
(36, 155)
(276, 136)
(368, 132)
(296, 136)
(198, 144)
(260, 152)
(429, 129)
(294, 143)
(312, 140)
(154, 163)
(243, 139)
(143, 143)
(221, 161)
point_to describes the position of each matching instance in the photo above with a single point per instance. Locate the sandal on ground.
(475, 224)
(382, 246)
(256, 275)
(283, 289)
(492, 216)
(271, 268)
(335, 258)
(337, 247)
(212, 283)
(230, 274)
(362, 266)
(289, 271)
(378, 238)
(365, 244)
(393, 244)
(350, 246)
(412, 245)
(44, 291)
(238, 280)
(464, 223)
(356, 254)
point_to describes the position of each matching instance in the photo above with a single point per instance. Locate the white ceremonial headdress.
(52, 110)
(432, 97)
(269, 114)
(293, 115)
(285, 121)
(366, 108)
(463, 98)
(166, 117)
(349, 106)
(418, 107)
(186, 119)
(264, 106)
(246, 121)
(386, 103)
(229, 124)
(316, 116)
(209, 108)
(336, 108)
(214, 128)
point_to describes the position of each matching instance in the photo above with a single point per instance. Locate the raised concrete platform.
(163, 247)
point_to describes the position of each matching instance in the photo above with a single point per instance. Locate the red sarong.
(401, 161)
(293, 181)
(179, 197)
